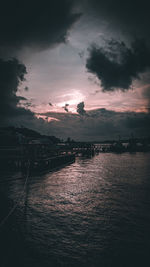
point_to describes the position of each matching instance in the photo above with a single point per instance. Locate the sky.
(76, 68)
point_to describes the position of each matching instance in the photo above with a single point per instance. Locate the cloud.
(35, 23)
(80, 109)
(81, 54)
(146, 95)
(139, 122)
(146, 91)
(66, 107)
(100, 124)
(28, 104)
(117, 65)
(31, 24)
(26, 88)
(129, 17)
(11, 112)
(12, 75)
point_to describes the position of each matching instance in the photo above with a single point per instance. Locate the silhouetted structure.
(22, 145)
(82, 149)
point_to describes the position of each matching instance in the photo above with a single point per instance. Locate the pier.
(41, 158)
(79, 149)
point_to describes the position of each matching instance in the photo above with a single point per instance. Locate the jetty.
(79, 149)
(41, 158)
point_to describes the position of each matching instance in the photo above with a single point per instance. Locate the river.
(94, 212)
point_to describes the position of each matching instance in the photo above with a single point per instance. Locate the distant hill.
(11, 136)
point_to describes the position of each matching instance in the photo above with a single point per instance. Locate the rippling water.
(94, 212)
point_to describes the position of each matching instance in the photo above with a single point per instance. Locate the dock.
(41, 158)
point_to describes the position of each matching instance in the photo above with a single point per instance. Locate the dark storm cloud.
(146, 95)
(139, 122)
(102, 112)
(28, 103)
(117, 65)
(80, 109)
(35, 23)
(26, 88)
(66, 107)
(100, 124)
(130, 17)
(12, 74)
(81, 54)
(146, 92)
(21, 98)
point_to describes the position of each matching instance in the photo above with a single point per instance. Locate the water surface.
(94, 212)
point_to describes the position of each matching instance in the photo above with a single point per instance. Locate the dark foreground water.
(95, 212)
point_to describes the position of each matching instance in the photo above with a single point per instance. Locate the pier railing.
(39, 155)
